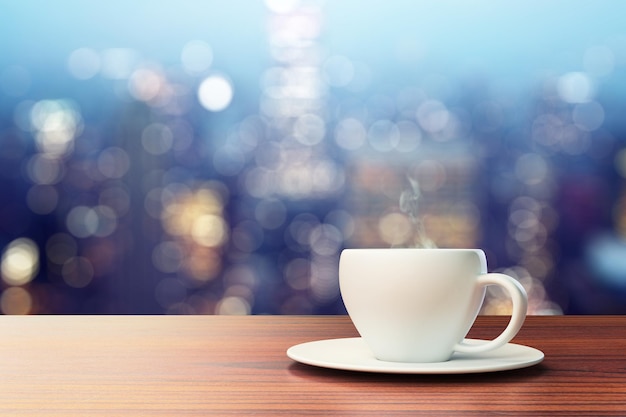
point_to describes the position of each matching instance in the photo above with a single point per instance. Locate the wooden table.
(217, 365)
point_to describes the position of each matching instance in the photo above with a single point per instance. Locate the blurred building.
(224, 171)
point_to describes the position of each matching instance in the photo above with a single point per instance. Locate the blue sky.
(515, 38)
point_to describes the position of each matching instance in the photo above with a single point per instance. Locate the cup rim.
(417, 249)
(346, 253)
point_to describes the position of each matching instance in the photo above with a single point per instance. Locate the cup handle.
(520, 306)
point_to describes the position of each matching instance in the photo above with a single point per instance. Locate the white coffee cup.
(417, 305)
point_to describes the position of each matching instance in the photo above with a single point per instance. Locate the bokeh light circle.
(215, 93)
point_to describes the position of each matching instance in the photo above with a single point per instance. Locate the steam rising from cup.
(409, 204)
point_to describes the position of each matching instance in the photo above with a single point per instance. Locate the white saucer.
(352, 354)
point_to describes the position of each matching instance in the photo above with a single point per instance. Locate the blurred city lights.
(282, 6)
(118, 63)
(350, 134)
(42, 199)
(84, 63)
(157, 138)
(20, 262)
(215, 93)
(196, 56)
(56, 123)
(77, 272)
(145, 84)
(234, 306)
(175, 180)
(16, 300)
(575, 87)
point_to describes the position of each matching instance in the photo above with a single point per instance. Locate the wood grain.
(216, 365)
